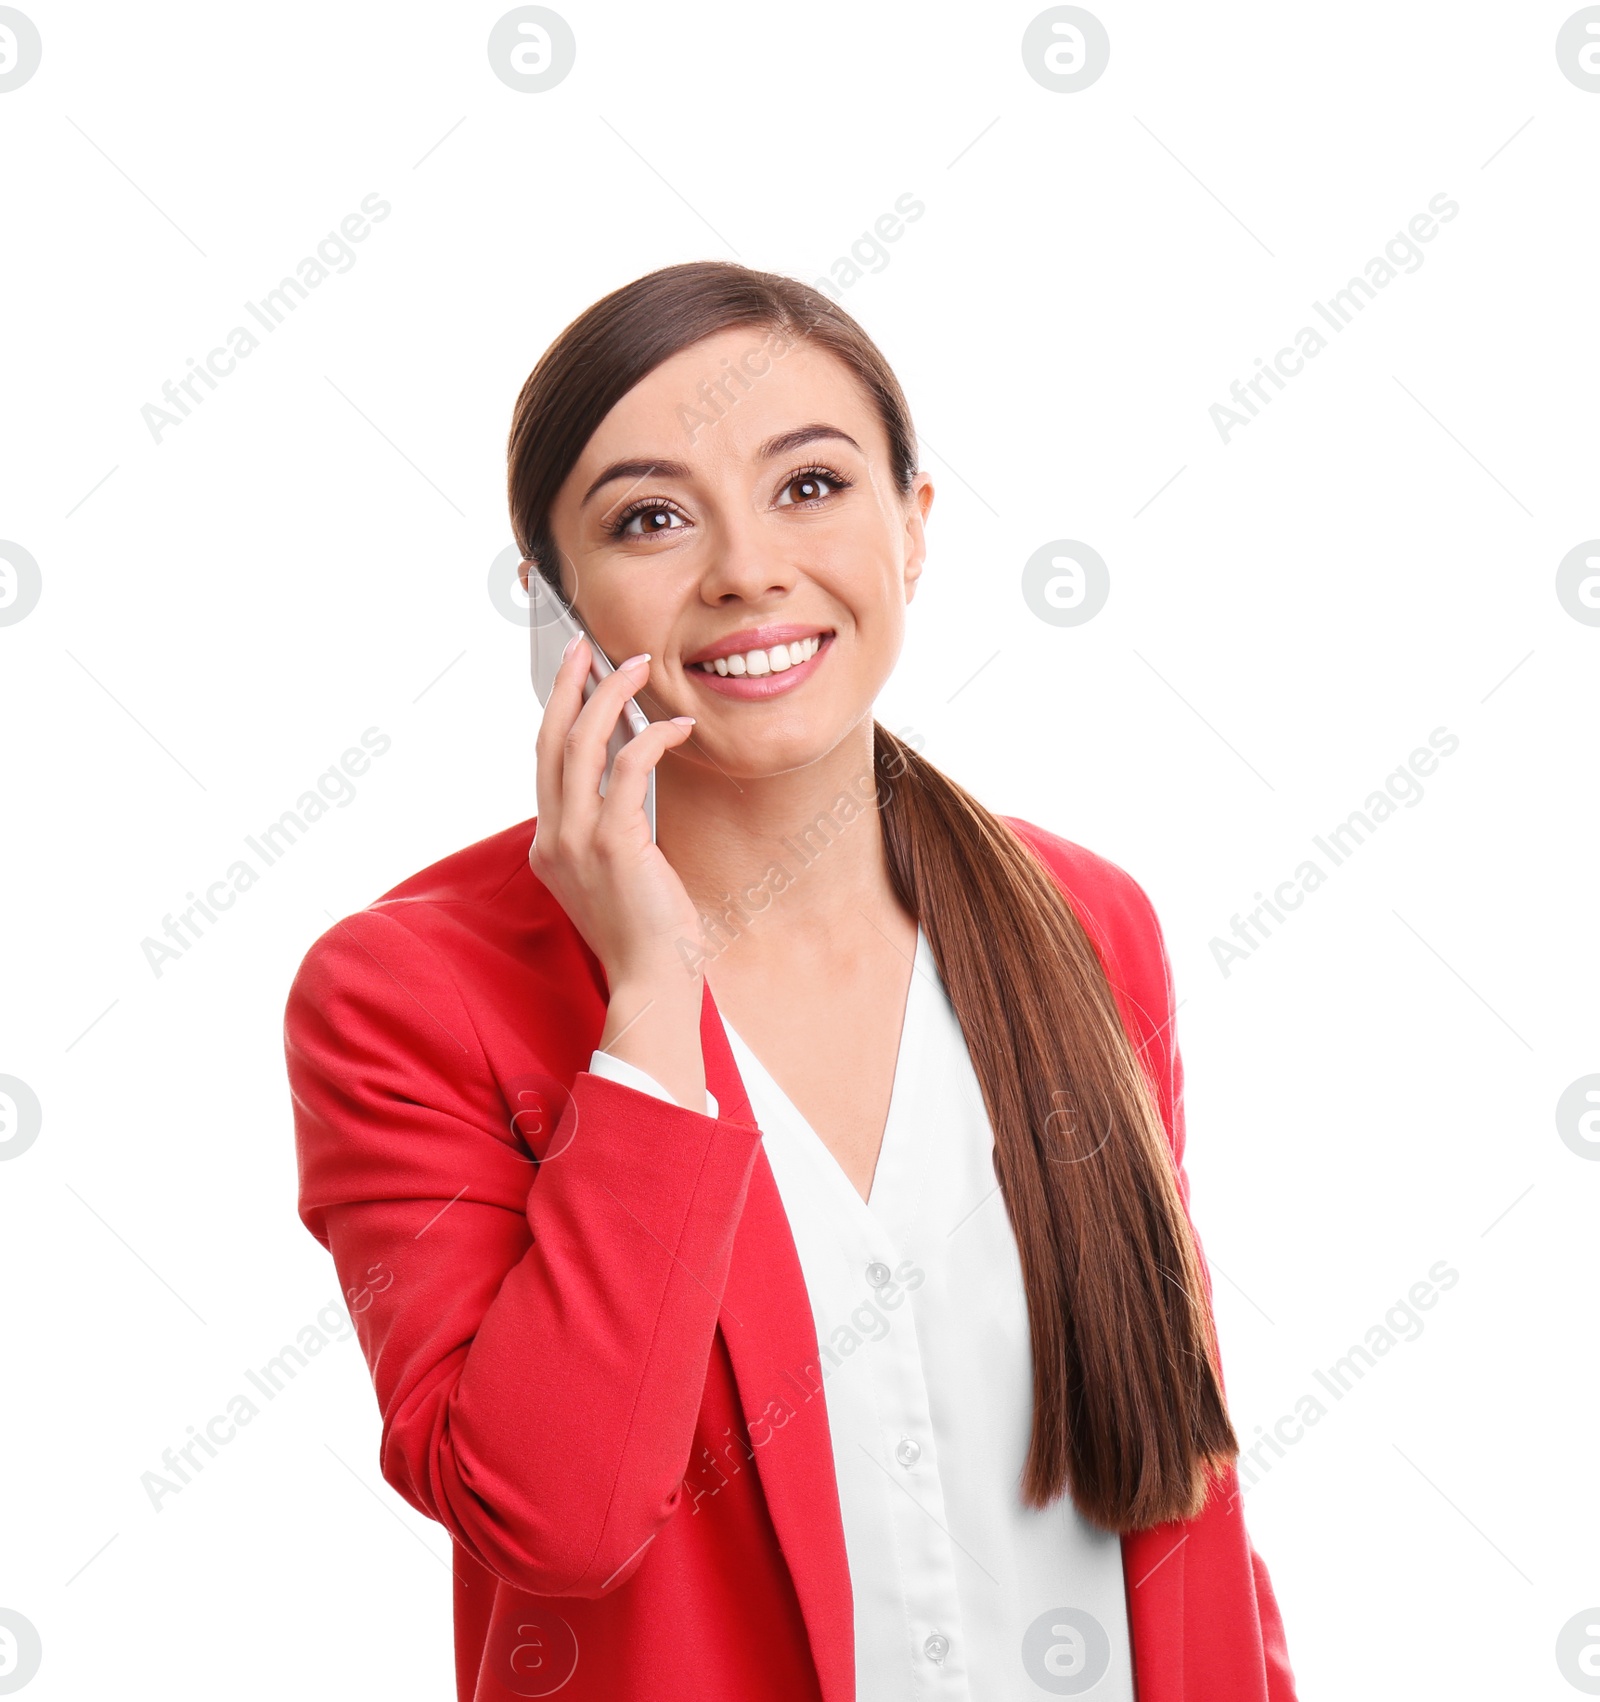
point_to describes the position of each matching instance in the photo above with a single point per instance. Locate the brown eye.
(811, 485)
(653, 517)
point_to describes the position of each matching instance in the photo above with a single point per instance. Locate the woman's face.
(769, 538)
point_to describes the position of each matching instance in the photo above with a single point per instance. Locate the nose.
(746, 561)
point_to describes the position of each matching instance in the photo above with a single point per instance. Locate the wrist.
(661, 965)
(656, 1028)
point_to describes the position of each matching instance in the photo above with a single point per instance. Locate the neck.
(788, 857)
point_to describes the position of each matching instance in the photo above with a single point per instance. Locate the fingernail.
(633, 661)
(684, 720)
(571, 642)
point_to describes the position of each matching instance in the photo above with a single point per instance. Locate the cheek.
(861, 570)
(627, 612)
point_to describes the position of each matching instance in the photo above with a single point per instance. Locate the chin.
(746, 755)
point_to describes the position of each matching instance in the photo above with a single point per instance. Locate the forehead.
(762, 382)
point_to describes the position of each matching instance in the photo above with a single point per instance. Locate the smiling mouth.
(754, 664)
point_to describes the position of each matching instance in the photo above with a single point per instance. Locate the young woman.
(770, 1240)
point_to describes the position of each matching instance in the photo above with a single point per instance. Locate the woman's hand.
(596, 855)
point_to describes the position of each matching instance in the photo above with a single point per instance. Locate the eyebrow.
(786, 442)
(783, 444)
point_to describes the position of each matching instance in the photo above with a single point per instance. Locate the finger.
(560, 711)
(584, 754)
(630, 773)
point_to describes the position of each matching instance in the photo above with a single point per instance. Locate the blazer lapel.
(767, 1325)
(1153, 1582)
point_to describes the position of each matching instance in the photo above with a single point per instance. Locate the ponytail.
(1128, 1407)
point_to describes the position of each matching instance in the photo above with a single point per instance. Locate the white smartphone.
(551, 624)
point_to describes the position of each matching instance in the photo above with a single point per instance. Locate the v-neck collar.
(912, 1027)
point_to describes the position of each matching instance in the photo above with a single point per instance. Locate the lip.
(756, 638)
(755, 687)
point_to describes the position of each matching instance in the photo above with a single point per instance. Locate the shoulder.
(1114, 906)
(474, 927)
(416, 1028)
(476, 874)
(1122, 925)
(1117, 914)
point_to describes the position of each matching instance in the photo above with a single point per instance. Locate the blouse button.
(936, 1647)
(909, 1452)
(878, 1273)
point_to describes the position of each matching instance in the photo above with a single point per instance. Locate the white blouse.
(962, 1593)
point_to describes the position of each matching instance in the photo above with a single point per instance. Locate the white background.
(224, 612)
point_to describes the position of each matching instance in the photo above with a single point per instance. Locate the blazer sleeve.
(538, 1334)
(1148, 990)
(630, 1075)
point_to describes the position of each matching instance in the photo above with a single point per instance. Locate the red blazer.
(600, 1373)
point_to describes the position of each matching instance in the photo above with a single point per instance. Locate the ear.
(527, 569)
(916, 538)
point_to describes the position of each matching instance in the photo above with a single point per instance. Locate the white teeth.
(755, 663)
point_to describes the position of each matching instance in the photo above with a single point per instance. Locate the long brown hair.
(1129, 1414)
